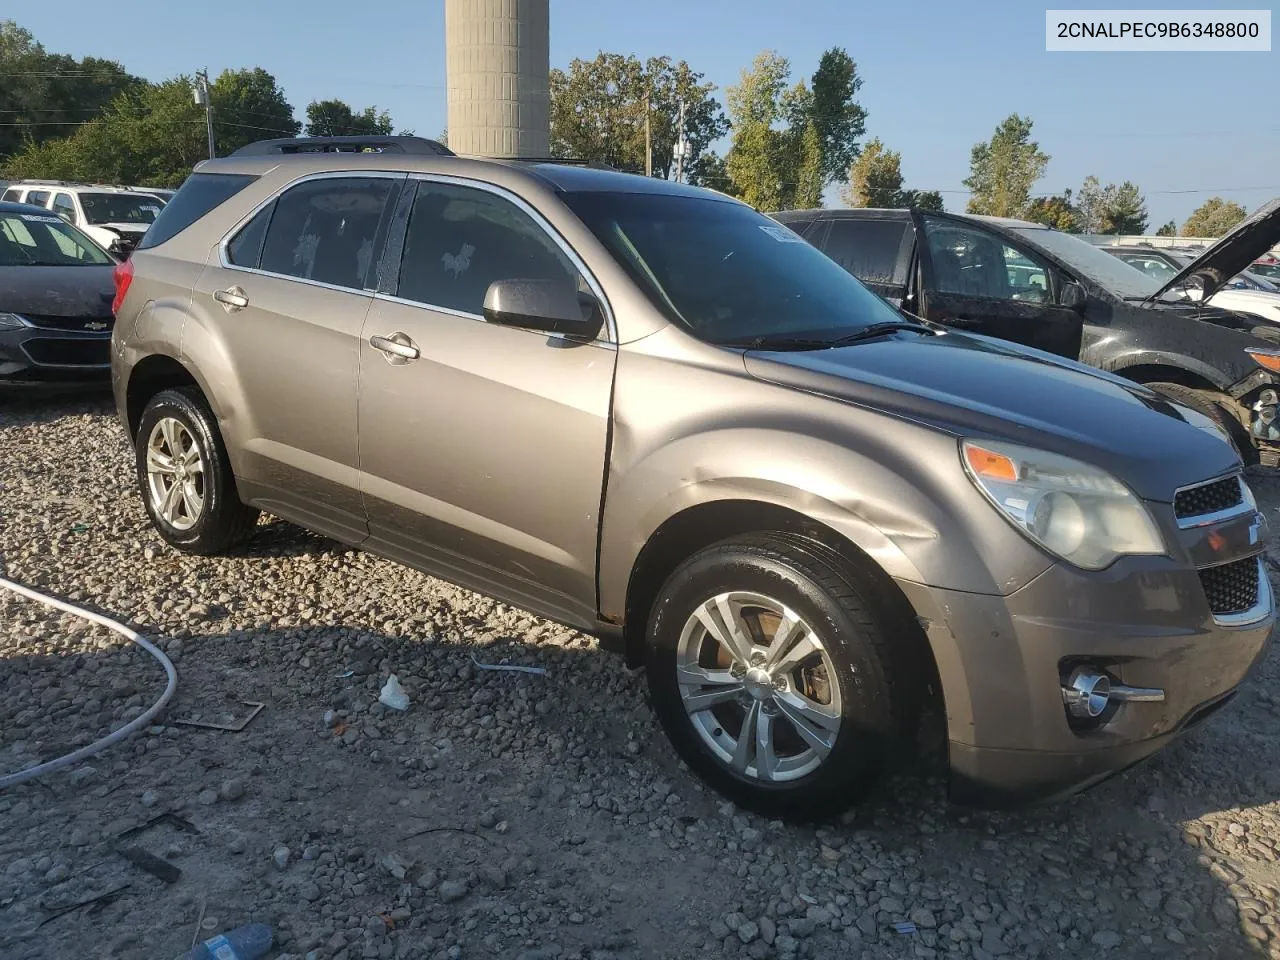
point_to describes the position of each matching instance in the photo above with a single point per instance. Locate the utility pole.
(202, 100)
(681, 146)
(648, 139)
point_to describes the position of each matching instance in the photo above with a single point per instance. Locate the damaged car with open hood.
(1057, 292)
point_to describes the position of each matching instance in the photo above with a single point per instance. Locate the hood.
(1258, 303)
(1251, 237)
(975, 386)
(57, 291)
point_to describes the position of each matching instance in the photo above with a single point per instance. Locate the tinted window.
(1093, 262)
(868, 248)
(200, 193)
(324, 230)
(45, 240)
(39, 197)
(725, 272)
(13, 193)
(1152, 266)
(62, 203)
(971, 262)
(129, 208)
(245, 248)
(460, 240)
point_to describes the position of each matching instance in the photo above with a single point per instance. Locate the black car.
(56, 290)
(1058, 293)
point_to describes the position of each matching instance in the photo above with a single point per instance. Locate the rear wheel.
(185, 476)
(772, 674)
(1213, 405)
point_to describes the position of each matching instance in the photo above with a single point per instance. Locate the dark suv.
(1058, 293)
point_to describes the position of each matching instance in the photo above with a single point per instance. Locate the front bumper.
(1145, 621)
(47, 355)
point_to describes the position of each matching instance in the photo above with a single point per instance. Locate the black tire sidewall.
(1198, 401)
(870, 728)
(220, 499)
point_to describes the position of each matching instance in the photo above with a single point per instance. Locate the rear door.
(288, 295)
(976, 280)
(876, 250)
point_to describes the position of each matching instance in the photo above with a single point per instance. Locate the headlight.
(11, 321)
(1268, 358)
(1075, 511)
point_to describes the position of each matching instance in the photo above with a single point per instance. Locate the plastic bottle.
(243, 943)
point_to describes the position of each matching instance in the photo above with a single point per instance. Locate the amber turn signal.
(988, 463)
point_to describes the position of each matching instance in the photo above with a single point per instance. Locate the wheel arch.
(1157, 367)
(148, 377)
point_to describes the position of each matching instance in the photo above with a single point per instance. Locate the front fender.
(1161, 358)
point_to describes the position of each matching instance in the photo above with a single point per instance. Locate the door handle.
(397, 345)
(233, 298)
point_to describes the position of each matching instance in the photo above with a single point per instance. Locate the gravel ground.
(508, 814)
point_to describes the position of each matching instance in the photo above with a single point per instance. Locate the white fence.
(1133, 240)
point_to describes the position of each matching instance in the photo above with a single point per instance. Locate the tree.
(1213, 218)
(335, 118)
(1125, 209)
(1091, 206)
(1056, 212)
(1003, 170)
(808, 195)
(757, 156)
(875, 178)
(249, 105)
(46, 96)
(1170, 229)
(923, 200)
(598, 112)
(840, 119)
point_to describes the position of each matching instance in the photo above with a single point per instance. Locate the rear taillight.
(123, 276)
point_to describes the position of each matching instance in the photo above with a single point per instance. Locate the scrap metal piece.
(160, 869)
(101, 899)
(232, 727)
(186, 826)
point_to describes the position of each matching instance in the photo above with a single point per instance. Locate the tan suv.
(648, 411)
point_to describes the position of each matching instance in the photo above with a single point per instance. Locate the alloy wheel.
(175, 474)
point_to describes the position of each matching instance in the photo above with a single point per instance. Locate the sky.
(937, 77)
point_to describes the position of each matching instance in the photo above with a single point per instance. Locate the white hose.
(132, 726)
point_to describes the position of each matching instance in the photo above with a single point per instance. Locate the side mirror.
(1073, 296)
(551, 306)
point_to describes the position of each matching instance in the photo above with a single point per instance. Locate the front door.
(283, 308)
(975, 280)
(482, 447)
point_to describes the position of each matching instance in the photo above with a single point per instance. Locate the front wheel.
(772, 672)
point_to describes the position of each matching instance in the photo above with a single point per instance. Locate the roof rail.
(373, 144)
(568, 161)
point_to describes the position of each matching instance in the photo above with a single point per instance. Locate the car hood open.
(976, 386)
(1251, 237)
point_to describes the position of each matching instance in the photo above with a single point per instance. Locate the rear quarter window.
(200, 193)
(870, 249)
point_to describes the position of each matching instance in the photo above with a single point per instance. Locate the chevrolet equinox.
(648, 411)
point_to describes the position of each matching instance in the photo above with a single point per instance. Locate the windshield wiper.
(819, 343)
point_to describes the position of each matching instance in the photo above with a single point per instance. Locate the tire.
(212, 519)
(858, 681)
(1214, 406)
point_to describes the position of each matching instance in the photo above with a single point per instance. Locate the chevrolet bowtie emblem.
(96, 325)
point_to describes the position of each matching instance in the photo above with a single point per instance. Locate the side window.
(973, 263)
(245, 248)
(64, 205)
(1153, 267)
(460, 240)
(324, 230)
(12, 194)
(39, 197)
(870, 249)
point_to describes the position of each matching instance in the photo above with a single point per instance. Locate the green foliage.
(840, 119)
(598, 112)
(1213, 218)
(1057, 212)
(808, 195)
(335, 118)
(1170, 229)
(875, 180)
(248, 105)
(1003, 170)
(1091, 204)
(1126, 209)
(44, 96)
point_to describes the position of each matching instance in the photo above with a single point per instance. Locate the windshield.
(119, 207)
(1110, 273)
(727, 273)
(45, 240)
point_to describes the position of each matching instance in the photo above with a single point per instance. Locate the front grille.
(69, 353)
(1231, 587)
(90, 324)
(1212, 497)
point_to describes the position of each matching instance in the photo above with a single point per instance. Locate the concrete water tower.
(497, 57)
